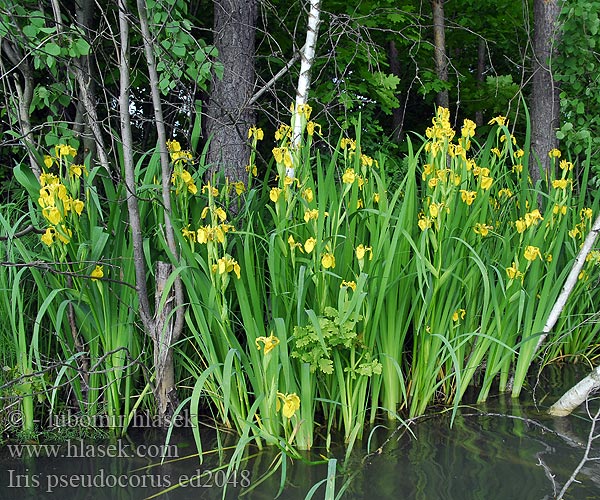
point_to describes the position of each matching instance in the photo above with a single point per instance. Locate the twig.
(528, 421)
(276, 77)
(92, 370)
(547, 469)
(586, 455)
(405, 426)
(47, 266)
(23, 232)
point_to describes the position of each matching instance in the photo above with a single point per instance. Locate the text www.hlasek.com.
(80, 449)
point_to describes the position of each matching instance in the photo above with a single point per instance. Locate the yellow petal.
(309, 245)
(48, 236)
(97, 273)
(78, 206)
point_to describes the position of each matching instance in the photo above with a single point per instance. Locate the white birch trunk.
(580, 392)
(570, 282)
(308, 56)
(576, 395)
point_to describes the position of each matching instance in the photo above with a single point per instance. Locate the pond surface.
(501, 450)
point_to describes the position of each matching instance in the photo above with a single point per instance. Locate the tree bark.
(129, 168)
(165, 390)
(545, 93)
(307, 58)
(93, 135)
(24, 90)
(439, 44)
(576, 395)
(229, 115)
(165, 331)
(89, 129)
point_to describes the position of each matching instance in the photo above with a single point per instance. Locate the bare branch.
(164, 162)
(585, 458)
(23, 232)
(132, 202)
(276, 77)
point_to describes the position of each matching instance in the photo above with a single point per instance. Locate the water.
(501, 450)
(483, 457)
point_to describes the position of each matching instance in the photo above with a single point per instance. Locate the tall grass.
(492, 257)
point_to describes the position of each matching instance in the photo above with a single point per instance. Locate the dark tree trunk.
(229, 115)
(545, 97)
(439, 44)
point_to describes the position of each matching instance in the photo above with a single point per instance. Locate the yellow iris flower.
(97, 273)
(274, 194)
(291, 403)
(513, 272)
(349, 176)
(361, 251)
(227, 264)
(328, 260)
(458, 314)
(270, 343)
(48, 236)
(531, 253)
(349, 284)
(309, 245)
(256, 132)
(52, 215)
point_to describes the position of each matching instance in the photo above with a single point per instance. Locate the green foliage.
(313, 343)
(39, 35)
(16, 304)
(183, 56)
(45, 46)
(576, 69)
(357, 80)
(502, 28)
(87, 296)
(496, 93)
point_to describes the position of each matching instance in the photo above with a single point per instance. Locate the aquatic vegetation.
(317, 299)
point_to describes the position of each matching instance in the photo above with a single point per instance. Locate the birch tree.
(307, 58)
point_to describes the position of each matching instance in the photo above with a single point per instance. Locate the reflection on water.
(501, 450)
(483, 457)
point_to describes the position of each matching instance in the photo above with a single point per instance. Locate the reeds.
(322, 300)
